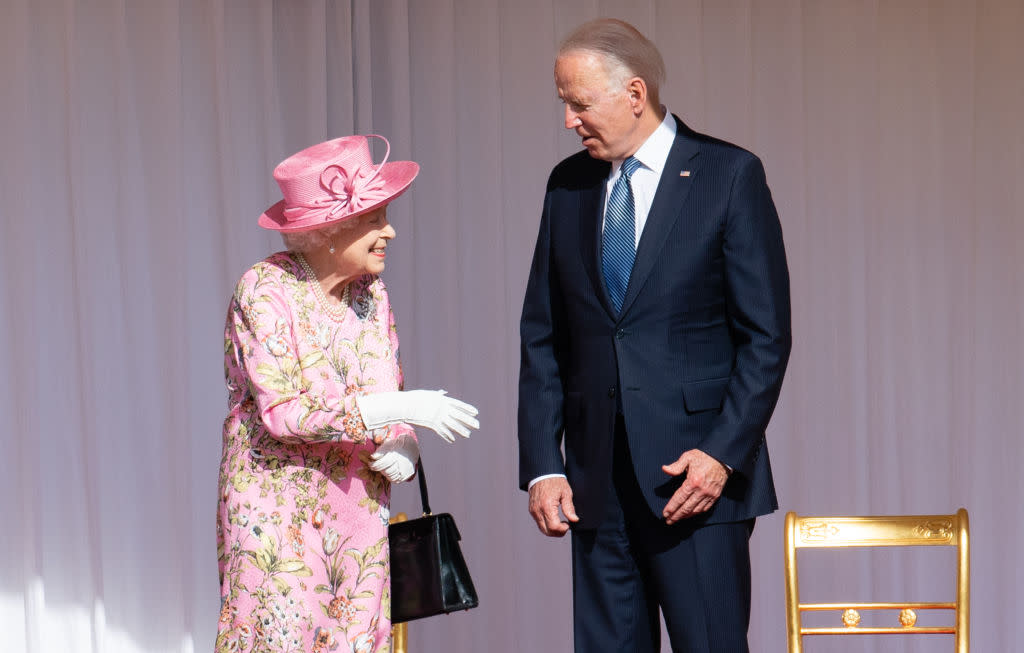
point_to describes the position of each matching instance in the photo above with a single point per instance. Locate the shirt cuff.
(541, 478)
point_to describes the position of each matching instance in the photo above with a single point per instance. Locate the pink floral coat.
(302, 520)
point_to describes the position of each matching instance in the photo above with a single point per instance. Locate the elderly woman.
(318, 425)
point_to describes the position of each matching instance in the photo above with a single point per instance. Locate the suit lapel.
(681, 168)
(591, 199)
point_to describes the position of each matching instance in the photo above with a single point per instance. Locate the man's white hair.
(625, 51)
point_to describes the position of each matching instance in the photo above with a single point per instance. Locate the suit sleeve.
(758, 310)
(541, 388)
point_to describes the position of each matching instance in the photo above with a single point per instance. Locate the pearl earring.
(331, 248)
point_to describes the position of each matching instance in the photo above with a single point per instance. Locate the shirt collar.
(654, 152)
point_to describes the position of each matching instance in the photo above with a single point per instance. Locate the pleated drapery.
(136, 146)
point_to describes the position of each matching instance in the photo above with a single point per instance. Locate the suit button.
(620, 334)
(611, 392)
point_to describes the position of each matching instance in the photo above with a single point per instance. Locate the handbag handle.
(423, 487)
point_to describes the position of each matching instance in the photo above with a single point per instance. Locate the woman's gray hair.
(305, 241)
(626, 52)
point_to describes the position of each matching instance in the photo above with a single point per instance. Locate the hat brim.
(397, 176)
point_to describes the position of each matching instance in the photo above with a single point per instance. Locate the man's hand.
(705, 478)
(546, 497)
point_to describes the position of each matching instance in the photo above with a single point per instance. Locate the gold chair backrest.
(399, 632)
(893, 530)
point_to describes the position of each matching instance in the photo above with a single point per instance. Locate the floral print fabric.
(302, 520)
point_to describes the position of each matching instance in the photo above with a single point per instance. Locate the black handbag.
(428, 573)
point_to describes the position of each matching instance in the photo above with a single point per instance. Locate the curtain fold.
(138, 142)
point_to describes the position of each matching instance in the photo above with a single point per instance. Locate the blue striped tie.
(619, 245)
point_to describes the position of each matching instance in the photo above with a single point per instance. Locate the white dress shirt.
(652, 155)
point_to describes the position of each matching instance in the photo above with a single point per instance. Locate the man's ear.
(636, 89)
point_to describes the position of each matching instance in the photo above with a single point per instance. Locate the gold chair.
(898, 530)
(399, 632)
(399, 638)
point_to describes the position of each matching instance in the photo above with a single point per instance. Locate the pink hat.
(333, 181)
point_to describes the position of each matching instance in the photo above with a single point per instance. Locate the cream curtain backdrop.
(137, 142)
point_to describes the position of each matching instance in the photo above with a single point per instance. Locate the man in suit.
(655, 335)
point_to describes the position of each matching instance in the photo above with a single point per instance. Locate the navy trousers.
(634, 565)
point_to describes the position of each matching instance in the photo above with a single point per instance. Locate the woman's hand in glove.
(430, 408)
(396, 458)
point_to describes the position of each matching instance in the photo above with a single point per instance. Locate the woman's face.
(360, 249)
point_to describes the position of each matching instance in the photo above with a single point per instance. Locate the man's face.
(596, 108)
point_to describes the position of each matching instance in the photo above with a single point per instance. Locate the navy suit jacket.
(696, 356)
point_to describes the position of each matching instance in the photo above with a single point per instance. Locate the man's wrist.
(541, 478)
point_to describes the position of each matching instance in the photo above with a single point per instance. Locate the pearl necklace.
(329, 307)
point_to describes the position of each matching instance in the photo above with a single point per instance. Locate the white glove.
(430, 408)
(396, 458)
